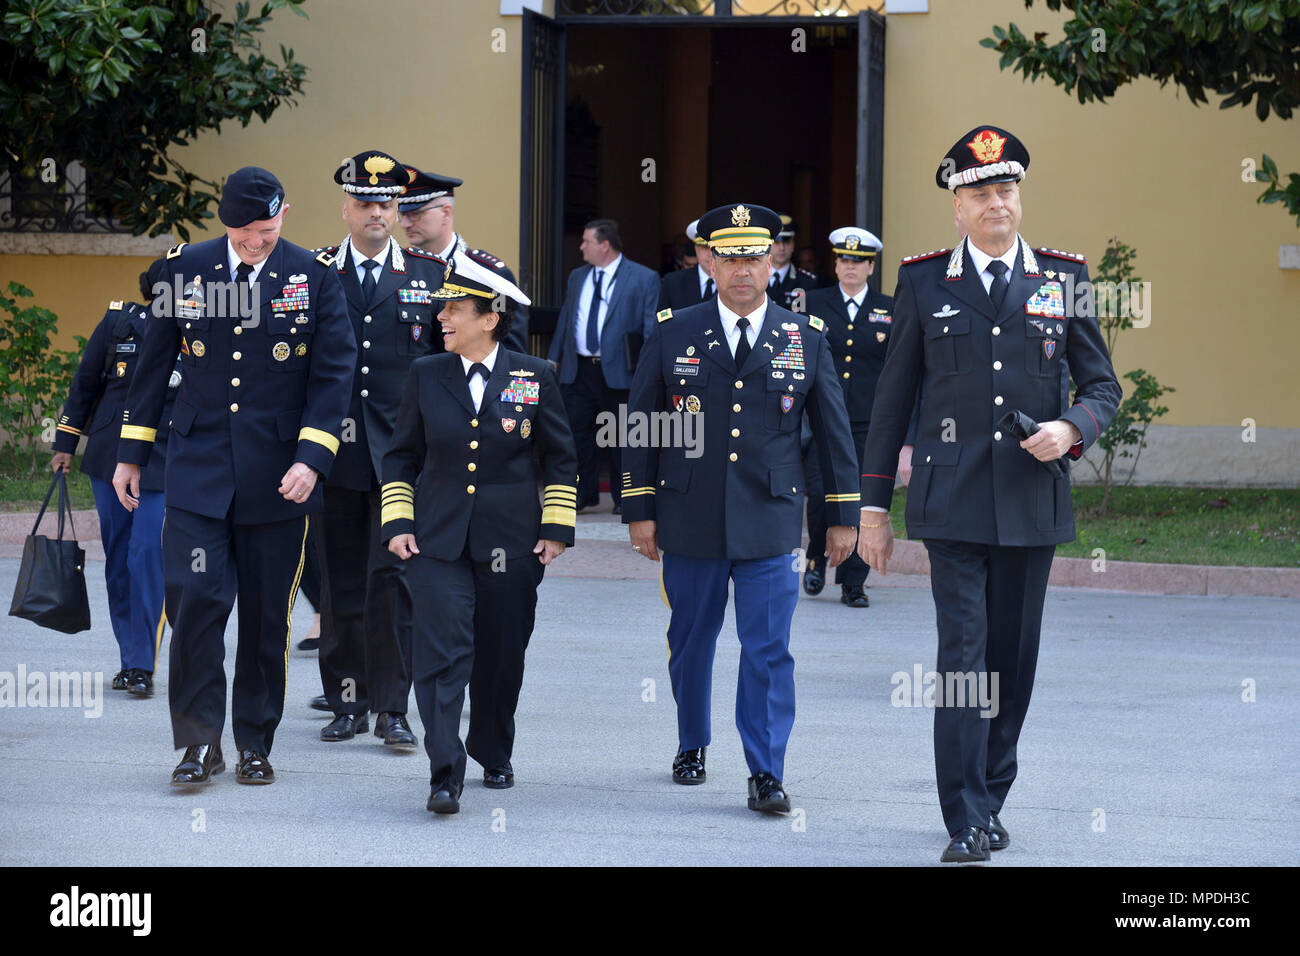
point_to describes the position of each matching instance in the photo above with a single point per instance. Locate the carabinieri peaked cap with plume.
(372, 176)
(424, 188)
(987, 154)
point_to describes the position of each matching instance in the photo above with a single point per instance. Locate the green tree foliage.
(121, 86)
(1246, 51)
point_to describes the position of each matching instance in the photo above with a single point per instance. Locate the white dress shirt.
(857, 301)
(233, 261)
(981, 259)
(779, 275)
(731, 327)
(584, 302)
(477, 384)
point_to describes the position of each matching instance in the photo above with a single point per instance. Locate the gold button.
(472, 467)
(848, 358)
(735, 433)
(846, 374)
(469, 489)
(293, 330)
(997, 330)
(239, 329)
(739, 384)
(681, 381)
(474, 422)
(235, 382)
(473, 444)
(735, 408)
(850, 326)
(733, 456)
(849, 342)
(237, 356)
(790, 388)
(234, 406)
(187, 325)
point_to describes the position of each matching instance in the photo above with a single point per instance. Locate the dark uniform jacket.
(797, 282)
(742, 497)
(397, 326)
(974, 367)
(256, 395)
(680, 289)
(478, 472)
(858, 345)
(98, 392)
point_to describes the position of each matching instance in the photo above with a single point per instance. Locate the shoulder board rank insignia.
(522, 371)
(925, 255)
(175, 250)
(115, 305)
(486, 258)
(422, 254)
(1072, 256)
(325, 258)
(816, 323)
(664, 315)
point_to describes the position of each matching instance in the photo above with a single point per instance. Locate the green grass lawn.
(1257, 527)
(20, 490)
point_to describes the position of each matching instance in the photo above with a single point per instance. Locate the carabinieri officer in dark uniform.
(984, 330)
(479, 429)
(267, 355)
(365, 649)
(730, 509)
(858, 320)
(687, 287)
(133, 569)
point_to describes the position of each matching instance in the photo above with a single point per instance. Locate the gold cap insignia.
(740, 216)
(378, 164)
(987, 146)
(852, 242)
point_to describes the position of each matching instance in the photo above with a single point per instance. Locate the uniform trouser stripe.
(293, 596)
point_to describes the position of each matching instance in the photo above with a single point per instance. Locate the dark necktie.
(478, 368)
(369, 282)
(742, 347)
(1001, 282)
(242, 273)
(593, 313)
(708, 289)
(775, 281)
(851, 306)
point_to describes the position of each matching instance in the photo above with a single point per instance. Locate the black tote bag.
(51, 586)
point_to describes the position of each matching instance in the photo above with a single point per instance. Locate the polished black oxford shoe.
(119, 680)
(814, 579)
(853, 596)
(970, 845)
(444, 798)
(394, 730)
(321, 703)
(767, 795)
(344, 727)
(999, 838)
(499, 778)
(688, 766)
(140, 683)
(198, 764)
(253, 768)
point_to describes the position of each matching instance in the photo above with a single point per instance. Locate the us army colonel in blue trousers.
(267, 354)
(984, 329)
(133, 569)
(744, 370)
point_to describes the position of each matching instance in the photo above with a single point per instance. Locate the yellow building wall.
(1149, 167)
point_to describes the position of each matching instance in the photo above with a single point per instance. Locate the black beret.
(250, 194)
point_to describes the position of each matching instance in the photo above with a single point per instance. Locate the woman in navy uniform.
(478, 429)
(983, 330)
(132, 541)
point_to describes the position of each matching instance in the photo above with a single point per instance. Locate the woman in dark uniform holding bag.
(480, 427)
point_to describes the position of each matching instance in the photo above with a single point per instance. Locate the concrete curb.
(909, 558)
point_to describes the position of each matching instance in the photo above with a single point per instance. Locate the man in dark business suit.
(693, 285)
(984, 330)
(607, 315)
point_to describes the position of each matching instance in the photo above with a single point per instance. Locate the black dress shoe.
(309, 644)
(119, 680)
(853, 595)
(688, 766)
(199, 763)
(140, 683)
(321, 703)
(766, 794)
(394, 729)
(999, 838)
(814, 579)
(253, 768)
(344, 727)
(499, 778)
(444, 798)
(970, 845)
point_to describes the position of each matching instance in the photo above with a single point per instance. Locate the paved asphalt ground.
(1139, 748)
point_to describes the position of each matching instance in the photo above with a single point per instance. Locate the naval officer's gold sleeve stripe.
(558, 515)
(322, 438)
(559, 499)
(853, 497)
(572, 488)
(398, 485)
(69, 429)
(139, 433)
(633, 492)
(396, 512)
